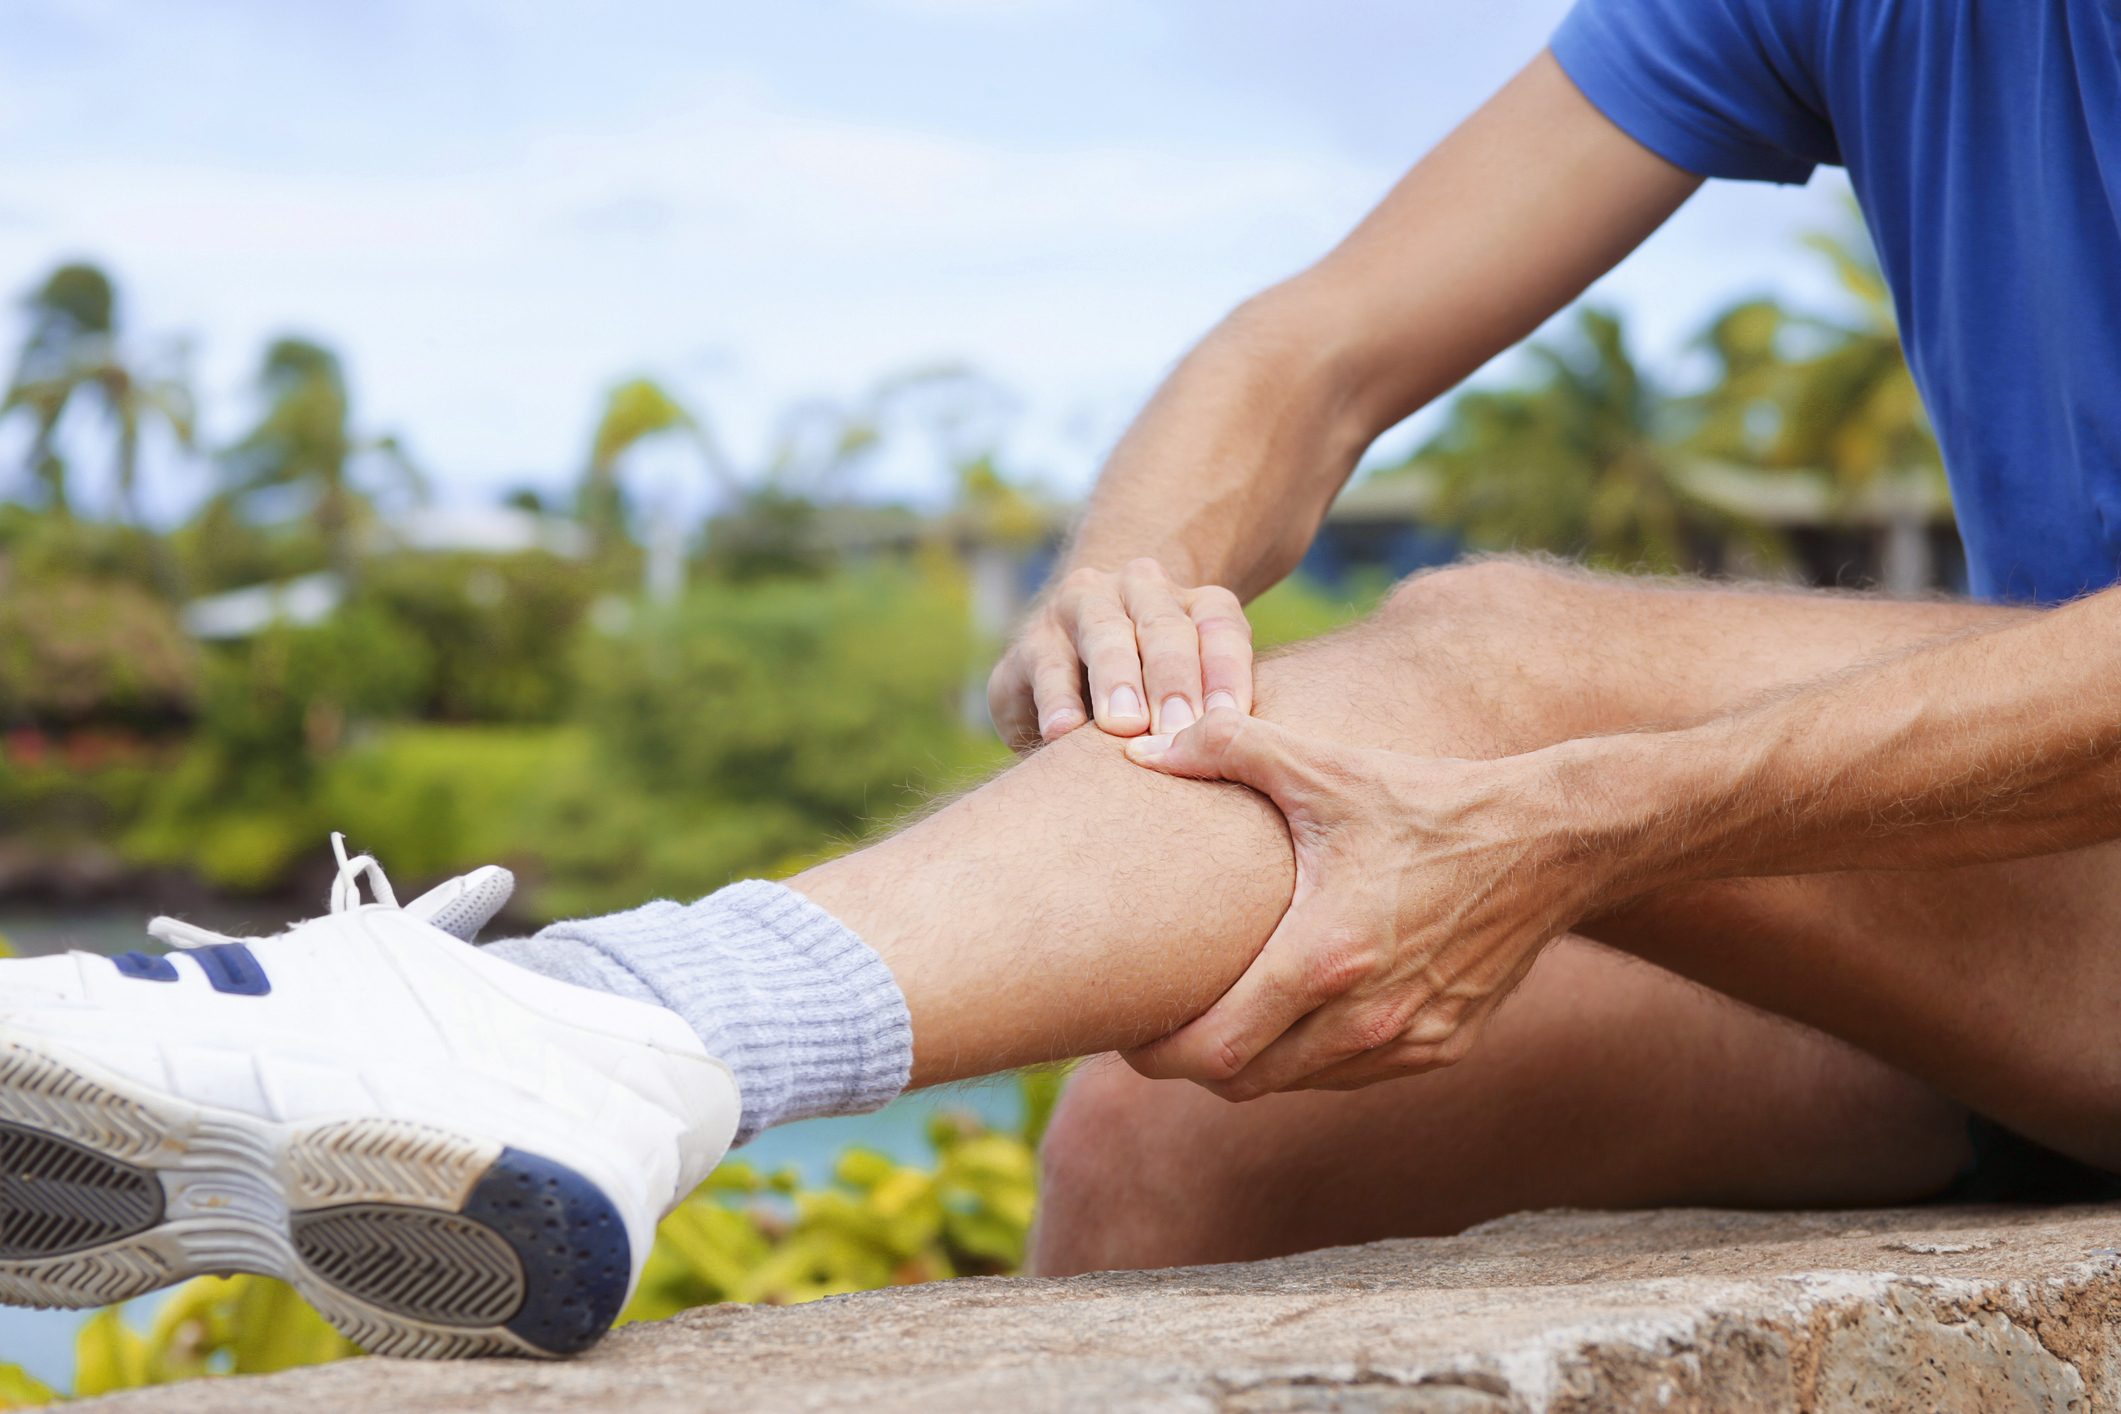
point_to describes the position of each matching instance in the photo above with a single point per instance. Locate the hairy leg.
(1074, 906)
(1603, 1082)
(1134, 900)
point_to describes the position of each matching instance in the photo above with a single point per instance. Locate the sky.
(494, 209)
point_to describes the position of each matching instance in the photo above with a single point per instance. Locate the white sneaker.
(445, 1153)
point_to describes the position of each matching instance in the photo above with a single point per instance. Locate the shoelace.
(345, 894)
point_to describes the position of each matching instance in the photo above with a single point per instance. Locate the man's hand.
(1425, 888)
(1156, 653)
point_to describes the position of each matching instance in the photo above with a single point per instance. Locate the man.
(1846, 862)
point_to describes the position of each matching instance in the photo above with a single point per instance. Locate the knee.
(1107, 1199)
(1474, 598)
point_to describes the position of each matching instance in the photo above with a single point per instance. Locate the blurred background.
(614, 441)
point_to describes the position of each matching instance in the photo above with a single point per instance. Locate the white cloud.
(489, 253)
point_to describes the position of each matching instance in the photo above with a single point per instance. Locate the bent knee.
(1497, 588)
(1121, 1184)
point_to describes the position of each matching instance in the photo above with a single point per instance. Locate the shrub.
(81, 650)
(495, 630)
(838, 697)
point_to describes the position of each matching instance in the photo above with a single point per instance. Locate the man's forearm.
(1227, 473)
(1991, 745)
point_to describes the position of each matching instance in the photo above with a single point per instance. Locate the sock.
(804, 1013)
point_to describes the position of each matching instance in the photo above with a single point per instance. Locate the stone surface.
(1950, 1309)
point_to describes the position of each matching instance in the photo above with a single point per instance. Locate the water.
(43, 1341)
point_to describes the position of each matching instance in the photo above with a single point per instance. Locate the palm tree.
(304, 441)
(1831, 402)
(73, 349)
(1845, 407)
(637, 411)
(766, 520)
(1579, 462)
(1853, 406)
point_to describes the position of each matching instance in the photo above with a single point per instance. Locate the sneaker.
(445, 1153)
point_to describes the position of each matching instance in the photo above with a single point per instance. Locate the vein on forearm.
(1993, 744)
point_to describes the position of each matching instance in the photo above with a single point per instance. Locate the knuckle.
(1224, 1059)
(1377, 1030)
(1095, 618)
(1042, 643)
(1454, 1048)
(1337, 967)
(1219, 730)
(1223, 625)
(1109, 635)
(1145, 567)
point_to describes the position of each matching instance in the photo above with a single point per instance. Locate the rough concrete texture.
(1945, 1309)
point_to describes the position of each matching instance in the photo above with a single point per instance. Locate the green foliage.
(748, 1237)
(493, 630)
(1589, 459)
(1802, 394)
(239, 806)
(743, 1236)
(73, 350)
(828, 703)
(211, 1326)
(222, 548)
(1296, 609)
(636, 411)
(304, 443)
(47, 549)
(18, 1390)
(772, 534)
(82, 650)
(446, 799)
(1578, 462)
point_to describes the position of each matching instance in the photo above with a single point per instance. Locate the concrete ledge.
(1940, 1308)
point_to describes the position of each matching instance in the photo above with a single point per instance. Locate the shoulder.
(1725, 88)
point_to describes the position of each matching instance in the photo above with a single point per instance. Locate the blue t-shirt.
(1983, 138)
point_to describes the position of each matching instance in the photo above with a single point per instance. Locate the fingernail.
(1125, 702)
(1177, 715)
(1222, 697)
(1148, 748)
(1059, 720)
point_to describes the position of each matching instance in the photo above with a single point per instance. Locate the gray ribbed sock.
(804, 1013)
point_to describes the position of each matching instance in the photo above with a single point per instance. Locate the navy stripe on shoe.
(232, 967)
(149, 967)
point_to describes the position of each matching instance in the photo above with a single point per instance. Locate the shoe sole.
(412, 1241)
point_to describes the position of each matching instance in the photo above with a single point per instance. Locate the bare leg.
(1602, 1083)
(1077, 904)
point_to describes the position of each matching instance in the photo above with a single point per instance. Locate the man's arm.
(1427, 886)
(1985, 746)
(1225, 476)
